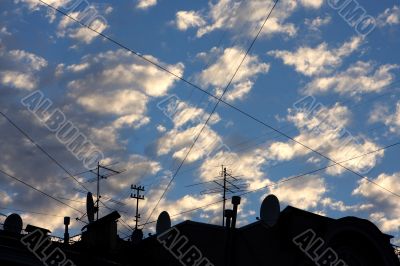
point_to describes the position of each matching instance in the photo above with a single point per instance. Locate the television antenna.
(224, 184)
(108, 172)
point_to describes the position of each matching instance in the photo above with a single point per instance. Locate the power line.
(42, 149)
(288, 180)
(38, 190)
(275, 136)
(210, 94)
(31, 212)
(214, 109)
(52, 158)
(219, 99)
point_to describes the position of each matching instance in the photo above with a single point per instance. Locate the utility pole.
(98, 190)
(138, 197)
(223, 173)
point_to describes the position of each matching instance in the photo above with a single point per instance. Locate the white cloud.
(361, 77)
(32, 61)
(161, 128)
(241, 16)
(341, 206)
(381, 113)
(4, 31)
(34, 5)
(220, 72)
(188, 19)
(123, 84)
(325, 131)
(386, 207)
(318, 22)
(247, 165)
(304, 194)
(5, 199)
(18, 80)
(318, 60)
(179, 142)
(389, 17)
(312, 3)
(68, 27)
(185, 113)
(145, 4)
(232, 15)
(20, 68)
(89, 15)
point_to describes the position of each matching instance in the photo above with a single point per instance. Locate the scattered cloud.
(312, 3)
(382, 114)
(120, 78)
(359, 78)
(342, 207)
(219, 73)
(238, 16)
(304, 194)
(179, 141)
(318, 60)
(325, 131)
(389, 17)
(146, 4)
(19, 69)
(188, 19)
(316, 23)
(386, 207)
(69, 28)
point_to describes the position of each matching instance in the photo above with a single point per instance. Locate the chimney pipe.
(66, 233)
(228, 215)
(235, 202)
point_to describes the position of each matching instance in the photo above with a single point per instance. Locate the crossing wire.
(286, 180)
(38, 190)
(210, 94)
(213, 110)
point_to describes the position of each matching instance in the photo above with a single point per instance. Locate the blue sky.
(314, 73)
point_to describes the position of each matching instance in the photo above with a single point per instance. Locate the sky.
(318, 87)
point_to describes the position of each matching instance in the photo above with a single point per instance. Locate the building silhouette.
(297, 237)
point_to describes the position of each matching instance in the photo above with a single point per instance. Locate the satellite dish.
(163, 223)
(137, 236)
(270, 210)
(90, 209)
(13, 224)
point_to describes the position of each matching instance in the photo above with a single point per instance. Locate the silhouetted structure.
(297, 238)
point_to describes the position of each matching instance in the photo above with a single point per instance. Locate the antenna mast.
(225, 184)
(111, 172)
(138, 197)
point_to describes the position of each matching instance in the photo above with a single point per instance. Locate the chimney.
(235, 202)
(229, 215)
(66, 234)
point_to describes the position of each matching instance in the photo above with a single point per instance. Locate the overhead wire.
(287, 180)
(30, 212)
(276, 135)
(24, 133)
(192, 84)
(213, 110)
(219, 99)
(38, 190)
